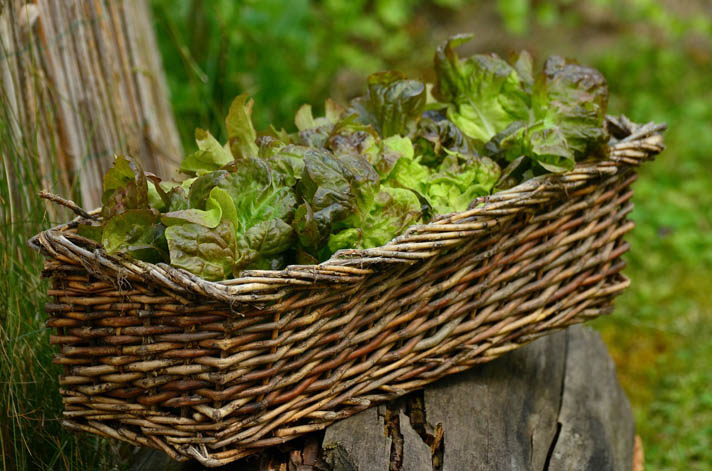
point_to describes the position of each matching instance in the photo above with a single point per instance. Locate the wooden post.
(83, 80)
(553, 405)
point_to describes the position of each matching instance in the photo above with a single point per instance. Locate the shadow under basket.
(215, 371)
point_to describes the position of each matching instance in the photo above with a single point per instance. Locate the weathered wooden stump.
(555, 404)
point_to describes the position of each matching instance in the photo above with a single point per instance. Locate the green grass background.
(657, 56)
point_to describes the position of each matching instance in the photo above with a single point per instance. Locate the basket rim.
(630, 145)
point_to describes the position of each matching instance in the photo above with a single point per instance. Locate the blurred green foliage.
(282, 53)
(660, 333)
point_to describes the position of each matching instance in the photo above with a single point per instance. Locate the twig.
(67, 203)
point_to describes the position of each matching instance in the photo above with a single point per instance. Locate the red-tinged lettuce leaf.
(166, 196)
(484, 92)
(545, 145)
(451, 74)
(210, 156)
(313, 132)
(309, 232)
(386, 155)
(436, 135)
(349, 136)
(330, 193)
(241, 135)
(524, 65)
(388, 213)
(393, 104)
(207, 253)
(360, 174)
(125, 187)
(573, 98)
(137, 232)
(202, 186)
(287, 164)
(176, 199)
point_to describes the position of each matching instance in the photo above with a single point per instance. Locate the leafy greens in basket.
(361, 174)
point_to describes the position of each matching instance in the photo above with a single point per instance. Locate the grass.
(660, 332)
(31, 436)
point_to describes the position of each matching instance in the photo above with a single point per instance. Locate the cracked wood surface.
(554, 405)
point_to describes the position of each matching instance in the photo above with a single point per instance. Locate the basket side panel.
(196, 380)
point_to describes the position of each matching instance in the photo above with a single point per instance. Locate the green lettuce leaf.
(386, 215)
(263, 245)
(484, 92)
(410, 174)
(90, 231)
(210, 156)
(218, 208)
(156, 196)
(241, 135)
(258, 194)
(391, 149)
(137, 232)
(207, 218)
(207, 253)
(461, 179)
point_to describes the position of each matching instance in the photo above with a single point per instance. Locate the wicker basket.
(218, 370)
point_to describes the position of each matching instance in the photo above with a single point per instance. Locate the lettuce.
(359, 175)
(208, 253)
(554, 118)
(210, 156)
(137, 232)
(382, 217)
(436, 135)
(460, 180)
(241, 135)
(125, 188)
(484, 93)
(392, 104)
(327, 196)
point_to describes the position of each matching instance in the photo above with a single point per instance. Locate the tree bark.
(555, 404)
(82, 81)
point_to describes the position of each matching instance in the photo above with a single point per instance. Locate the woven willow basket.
(218, 370)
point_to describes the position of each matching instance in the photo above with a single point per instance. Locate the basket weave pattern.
(215, 371)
